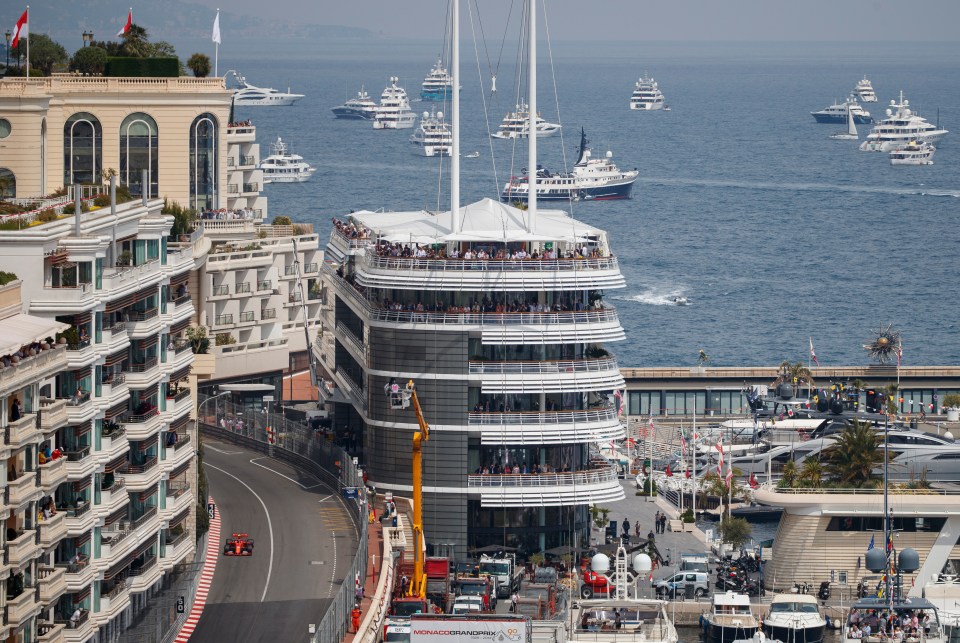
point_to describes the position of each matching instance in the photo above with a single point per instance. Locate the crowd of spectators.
(25, 351)
(498, 469)
(900, 626)
(487, 305)
(351, 230)
(246, 123)
(229, 215)
(437, 251)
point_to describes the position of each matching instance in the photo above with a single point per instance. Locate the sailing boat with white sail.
(851, 133)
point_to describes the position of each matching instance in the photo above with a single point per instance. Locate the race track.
(304, 542)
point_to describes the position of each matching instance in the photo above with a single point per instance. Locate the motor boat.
(864, 90)
(837, 113)
(592, 178)
(432, 137)
(901, 126)
(913, 153)
(680, 301)
(795, 618)
(394, 110)
(249, 94)
(646, 95)
(730, 619)
(868, 609)
(516, 125)
(437, 85)
(472, 155)
(283, 166)
(360, 107)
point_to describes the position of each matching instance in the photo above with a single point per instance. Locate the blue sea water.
(774, 232)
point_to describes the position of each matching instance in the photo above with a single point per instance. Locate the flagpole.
(681, 459)
(29, 29)
(693, 458)
(216, 51)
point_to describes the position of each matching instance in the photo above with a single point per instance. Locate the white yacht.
(432, 137)
(865, 91)
(913, 153)
(360, 107)
(592, 178)
(437, 85)
(901, 126)
(515, 125)
(837, 113)
(794, 618)
(283, 166)
(730, 620)
(646, 95)
(394, 110)
(249, 94)
(851, 134)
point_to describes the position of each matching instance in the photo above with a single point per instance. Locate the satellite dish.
(876, 560)
(642, 563)
(600, 563)
(908, 560)
(439, 114)
(426, 114)
(609, 154)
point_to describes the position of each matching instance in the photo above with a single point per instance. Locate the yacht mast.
(532, 116)
(455, 120)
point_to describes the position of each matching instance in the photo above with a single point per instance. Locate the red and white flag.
(618, 402)
(720, 461)
(899, 353)
(126, 27)
(729, 475)
(22, 29)
(813, 354)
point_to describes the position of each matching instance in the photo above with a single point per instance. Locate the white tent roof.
(21, 329)
(485, 220)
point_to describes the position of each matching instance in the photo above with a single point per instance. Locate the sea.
(776, 234)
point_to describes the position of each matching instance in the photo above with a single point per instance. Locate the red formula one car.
(238, 545)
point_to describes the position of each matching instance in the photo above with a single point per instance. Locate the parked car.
(677, 584)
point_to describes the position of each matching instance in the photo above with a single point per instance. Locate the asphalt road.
(304, 540)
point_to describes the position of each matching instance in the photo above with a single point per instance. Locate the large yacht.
(437, 84)
(249, 94)
(432, 137)
(901, 126)
(837, 113)
(360, 107)
(794, 618)
(283, 166)
(592, 178)
(646, 95)
(913, 153)
(516, 125)
(394, 110)
(864, 90)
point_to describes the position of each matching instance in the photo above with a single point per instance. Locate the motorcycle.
(824, 592)
(801, 588)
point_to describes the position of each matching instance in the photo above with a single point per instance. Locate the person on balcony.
(15, 410)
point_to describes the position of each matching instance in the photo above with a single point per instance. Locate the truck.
(694, 563)
(484, 586)
(437, 570)
(470, 628)
(508, 574)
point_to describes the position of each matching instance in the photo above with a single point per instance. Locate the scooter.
(824, 592)
(801, 588)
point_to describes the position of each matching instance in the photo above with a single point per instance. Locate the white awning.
(247, 388)
(22, 329)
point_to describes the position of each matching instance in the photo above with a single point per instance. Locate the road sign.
(350, 493)
(268, 398)
(212, 510)
(181, 604)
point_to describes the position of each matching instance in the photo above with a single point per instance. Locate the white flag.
(216, 29)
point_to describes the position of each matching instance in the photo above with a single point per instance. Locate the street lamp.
(87, 38)
(200, 406)
(8, 36)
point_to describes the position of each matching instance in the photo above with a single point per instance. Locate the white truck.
(472, 628)
(505, 570)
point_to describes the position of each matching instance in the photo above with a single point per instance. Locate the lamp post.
(87, 38)
(200, 406)
(6, 66)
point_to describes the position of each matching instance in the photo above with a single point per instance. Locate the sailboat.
(851, 133)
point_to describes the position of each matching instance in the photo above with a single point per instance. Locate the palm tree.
(136, 43)
(788, 477)
(794, 373)
(854, 456)
(811, 474)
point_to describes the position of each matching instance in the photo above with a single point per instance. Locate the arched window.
(82, 149)
(203, 162)
(8, 184)
(138, 152)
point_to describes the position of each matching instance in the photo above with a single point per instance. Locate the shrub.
(225, 339)
(145, 67)
(89, 60)
(199, 64)
(199, 343)
(951, 401)
(124, 258)
(302, 228)
(183, 218)
(6, 277)
(47, 216)
(282, 220)
(102, 200)
(735, 531)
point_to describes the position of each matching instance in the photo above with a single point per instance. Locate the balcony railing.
(311, 267)
(149, 463)
(219, 291)
(149, 513)
(346, 334)
(251, 187)
(180, 395)
(294, 297)
(147, 565)
(142, 367)
(142, 315)
(492, 265)
(592, 476)
(223, 320)
(548, 417)
(79, 400)
(233, 188)
(266, 284)
(79, 346)
(139, 418)
(247, 317)
(182, 441)
(289, 270)
(268, 313)
(248, 159)
(534, 367)
(243, 288)
(77, 454)
(113, 379)
(182, 345)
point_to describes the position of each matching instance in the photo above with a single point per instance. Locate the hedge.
(137, 67)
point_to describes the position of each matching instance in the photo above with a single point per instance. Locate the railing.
(311, 267)
(182, 441)
(242, 288)
(533, 367)
(138, 522)
(592, 476)
(182, 345)
(864, 492)
(247, 317)
(113, 379)
(118, 484)
(75, 624)
(118, 327)
(114, 537)
(181, 395)
(117, 590)
(548, 417)
(221, 290)
(76, 512)
(289, 270)
(30, 364)
(294, 297)
(149, 463)
(79, 346)
(223, 320)
(139, 418)
(173, 540)
(183, 299)
(78, 455)
(251, 187)
(142, 315)
(266, 284)
(147, 565)
(233, 188)
(115, 431)
(142, 367)
(345, 333)
(491, 265)
(268, 313)
(79, 400)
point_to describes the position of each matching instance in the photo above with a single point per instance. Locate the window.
(203, 162)
(5, 128)
(8, 184)
(138, 152)
(82, 149)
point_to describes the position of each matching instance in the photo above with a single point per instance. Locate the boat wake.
(802, 187)
(657, 297)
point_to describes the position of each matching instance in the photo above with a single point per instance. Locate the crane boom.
(418, 587)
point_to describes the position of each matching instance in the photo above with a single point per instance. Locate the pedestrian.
(663, 523)
(355, 617)
(656, 521)
(650, 536)
(636, 529)
(626, 527)
(514, 599)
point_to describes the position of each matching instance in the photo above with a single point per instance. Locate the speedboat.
(394, 110)
(249, 94)
(646, 95)
(794, 618)
(437, 84)
(913, 153)
(837, 113)
(901, 126)
(731, 619)
(592, 178)
(283, 166)
(680, 301)
(472, 155)
(515, 125)
(865, 91)
(361, 107)
(433, 137)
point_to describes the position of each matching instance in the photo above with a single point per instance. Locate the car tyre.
(699, 592)
(586, 591)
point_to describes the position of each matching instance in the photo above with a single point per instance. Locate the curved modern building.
(502, 328)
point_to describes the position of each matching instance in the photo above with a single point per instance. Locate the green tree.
(89, 60)
(811, 474)
(735, 531)
(136, 42)
(45, 53)
(853, 457)
(162, 49)
(199, 64)
(600, 516)
(788, 477)
(794, 373)
(282, 220)
(199, 343)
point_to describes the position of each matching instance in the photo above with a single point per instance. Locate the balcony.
(547, 490)
(53, 414)
(176, 500)
(52, 582)
(311, 268)
(247, 318)
(53, 529)
(250, 189)
(79, 462)
(265, 286)
(141, 375)
(113, 443)
(179, 404)
(241, 134)
(23, 431)
(78, 631)
(23, 489)
(243, 288)
(351, 341)
(178, 454)
(220, 291)
(140, 477)
(22, 608)
(52, 473)
(23, 548)
(115, 336)
(66, 299)
(141, 578)
(80, 408)
(120, 281)
(234, 259)
(551, 427)
(149, 521)
(141, 426)
(80, 519)
(113, 602)
(51, 632)
(113, 498)
(565, 376)
(176, 547)
(80, 354)
(352, 389)
(143, 323)
(268, 313)
(32, 369)
(115, 544)
(221, 321)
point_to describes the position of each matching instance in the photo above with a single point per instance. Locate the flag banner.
(216, 29)
(871, 545)
(22, 29)
(126, 27)
(813, 354)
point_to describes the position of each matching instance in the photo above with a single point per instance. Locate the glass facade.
(82, 149)
(203, 162)
(138, 151)
(529, 529)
